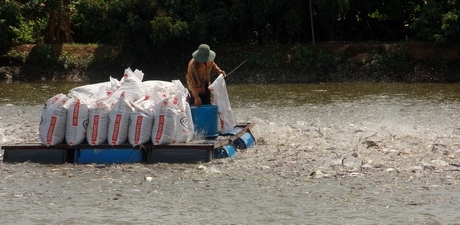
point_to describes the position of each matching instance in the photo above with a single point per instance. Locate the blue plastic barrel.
(224, 151)
(245, 141)
(205, 120)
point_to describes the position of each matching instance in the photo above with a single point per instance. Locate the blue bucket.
(205, 120)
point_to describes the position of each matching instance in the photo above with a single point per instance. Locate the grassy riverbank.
(324, 62)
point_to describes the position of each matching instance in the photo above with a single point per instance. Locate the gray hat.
(204, 54)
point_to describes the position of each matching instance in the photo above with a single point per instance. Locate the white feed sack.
(149, 87)
(96, 92)
(179, 95)
(96, 133)
(164, 123)
(77, 120)
(53, 120)
(159, 93)
(182, 131)
(139, 74)
(95, 113)
(90, 90)
(179, 87)
(190, 125)
(141, 122)
(129, 84)
(119, 122)
(219, 90)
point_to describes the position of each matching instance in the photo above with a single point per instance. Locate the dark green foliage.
(141, 26)
(319, 61)
(10, 21)
(439, 22)
(40, 54)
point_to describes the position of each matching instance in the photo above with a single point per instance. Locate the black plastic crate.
(36, 153)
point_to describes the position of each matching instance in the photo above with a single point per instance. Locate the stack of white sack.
(118, 112)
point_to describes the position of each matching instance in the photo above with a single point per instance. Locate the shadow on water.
(53, 62)
(257, 95)
(33, 93)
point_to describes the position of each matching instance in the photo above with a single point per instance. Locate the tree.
(58, 21)
(33, 21)
(439, 22)
(326, 14)
(10, 21)
(267, 21)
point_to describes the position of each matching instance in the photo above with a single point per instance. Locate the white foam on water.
(2, 137)
(368, 130)
(19, 124)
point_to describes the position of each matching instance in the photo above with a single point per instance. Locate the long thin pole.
(237, 67)
(312, 29)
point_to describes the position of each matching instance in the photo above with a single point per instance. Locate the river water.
(345, 153)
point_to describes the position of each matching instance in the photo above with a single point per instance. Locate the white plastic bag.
(219, 90)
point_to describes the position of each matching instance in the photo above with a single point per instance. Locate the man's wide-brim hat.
(204, 54)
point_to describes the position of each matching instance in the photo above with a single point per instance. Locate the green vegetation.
(148, 24)
(126, 32)
(45, 54)
(439, 22)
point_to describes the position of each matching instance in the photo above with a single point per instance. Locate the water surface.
(344, 153)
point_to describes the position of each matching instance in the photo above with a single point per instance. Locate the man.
(199, 75)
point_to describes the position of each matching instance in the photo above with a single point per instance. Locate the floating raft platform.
(194, 151)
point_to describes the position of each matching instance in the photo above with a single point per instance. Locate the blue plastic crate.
(108, 155)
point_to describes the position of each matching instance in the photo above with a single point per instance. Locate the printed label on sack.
(184, 122)
(137, 133)
(49, 136)
(160, 128)
(175, 100)
(116, 129)
(76, 110)
(95, 129)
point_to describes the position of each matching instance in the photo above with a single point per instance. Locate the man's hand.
(197, 102)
